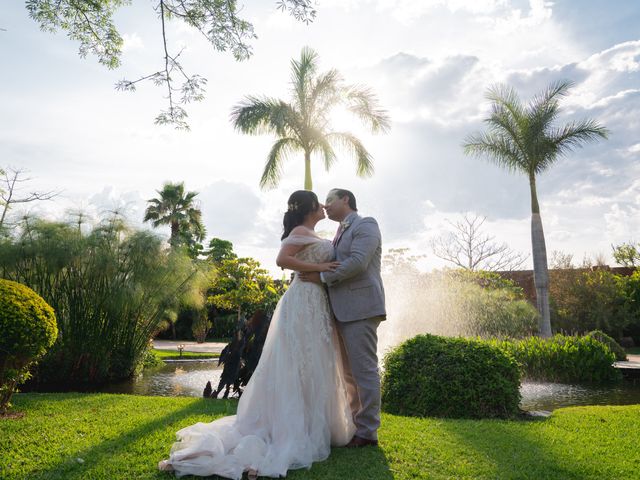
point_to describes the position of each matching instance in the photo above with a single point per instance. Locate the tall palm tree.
(523, 138)
(176, 208)
(305, 123)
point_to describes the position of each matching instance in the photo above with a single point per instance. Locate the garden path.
(206, 347)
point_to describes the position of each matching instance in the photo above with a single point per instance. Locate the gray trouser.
(359, 342)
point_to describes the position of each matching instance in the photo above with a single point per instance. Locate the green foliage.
(111, 289)
(564, 359)
(220, 250)
(28, 329)
(585, 300)
(632, 297)
(627, 254)
(200, 326)
(178, 209)
(242, 285)
(450, 377)
(488, 280)
(614, 346)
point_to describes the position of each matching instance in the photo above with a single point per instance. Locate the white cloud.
(132, 42)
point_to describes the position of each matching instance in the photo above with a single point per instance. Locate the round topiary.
(614, 346)
(27, 329)
(450, 377)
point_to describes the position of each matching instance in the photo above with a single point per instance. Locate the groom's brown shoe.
(357, 442)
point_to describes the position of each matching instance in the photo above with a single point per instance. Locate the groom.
(357, 298)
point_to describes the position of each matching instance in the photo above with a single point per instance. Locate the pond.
(186, 378)
(183, 378)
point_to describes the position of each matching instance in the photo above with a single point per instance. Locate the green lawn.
(174, 355)
(101, 436)
(633, 351)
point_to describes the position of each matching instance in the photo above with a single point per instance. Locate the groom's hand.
(313, 277)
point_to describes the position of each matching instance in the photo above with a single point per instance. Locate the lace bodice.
(319, 251)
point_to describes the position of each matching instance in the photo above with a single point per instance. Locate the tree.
(627, 254)
(176, 208)
(91, 24)
(242, 285)
(305, 123)
(523, 138)
(12, 178)
(469, 248)
(220, 250)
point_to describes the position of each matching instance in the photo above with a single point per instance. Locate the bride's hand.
(328, 266)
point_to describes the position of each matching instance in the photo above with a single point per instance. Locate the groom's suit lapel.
(352, 218)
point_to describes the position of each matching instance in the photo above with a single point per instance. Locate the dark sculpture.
(241, 356)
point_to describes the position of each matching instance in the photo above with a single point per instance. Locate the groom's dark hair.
(341, 193)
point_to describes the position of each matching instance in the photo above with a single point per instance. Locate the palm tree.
(176, 208)
(523, 138)
(305, 123)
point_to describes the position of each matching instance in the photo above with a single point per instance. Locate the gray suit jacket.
(355, 288)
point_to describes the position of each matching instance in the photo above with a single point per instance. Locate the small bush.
(564, 359)
(450, 377)
(614, 346)
(28, 328)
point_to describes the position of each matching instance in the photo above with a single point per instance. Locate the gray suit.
(357, 299)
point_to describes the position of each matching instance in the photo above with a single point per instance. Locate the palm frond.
(325, 93)
(322, 144)
(280, 150)
(566, 139)
(498, 148)
(349, 142)
(256, 115)
(302, 72)
(363, 103)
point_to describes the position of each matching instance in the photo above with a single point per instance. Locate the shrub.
(28, 328)
(111, 289)
(450, 377)
(614, 346)
(585, 300)
(564, 359)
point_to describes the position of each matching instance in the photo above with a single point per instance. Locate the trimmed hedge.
(450, 377)
(28, 329)
(614, 346)
(564, 359)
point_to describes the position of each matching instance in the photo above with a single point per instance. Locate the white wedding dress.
(295, 405)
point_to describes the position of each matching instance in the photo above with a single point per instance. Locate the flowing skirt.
(294, 407)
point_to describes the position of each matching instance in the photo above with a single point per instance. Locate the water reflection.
(175, 379)
(549, 396)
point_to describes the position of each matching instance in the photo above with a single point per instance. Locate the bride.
(295, 405)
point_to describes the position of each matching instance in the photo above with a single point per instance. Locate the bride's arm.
(286, 259)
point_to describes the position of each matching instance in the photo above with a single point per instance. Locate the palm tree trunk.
(308, 184)
(175, 230)
(540, 269)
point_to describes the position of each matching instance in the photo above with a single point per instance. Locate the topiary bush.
(614, 346)
(450, 377)
(563, 358)
(28, 329)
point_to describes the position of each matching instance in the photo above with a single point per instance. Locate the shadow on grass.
(118, 454)
(511, 450)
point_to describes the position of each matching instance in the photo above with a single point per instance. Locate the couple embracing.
(317, 383)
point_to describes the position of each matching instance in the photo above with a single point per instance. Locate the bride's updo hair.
(299, 205)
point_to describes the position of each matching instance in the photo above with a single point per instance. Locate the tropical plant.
(304, 124)
(627, 254)
(524, 138)
(28, 326)
(177, 208)
(111, 288)
(564, 359)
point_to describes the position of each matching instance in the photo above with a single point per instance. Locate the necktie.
(338, 234)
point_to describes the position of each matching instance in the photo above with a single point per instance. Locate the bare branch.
(466, 246)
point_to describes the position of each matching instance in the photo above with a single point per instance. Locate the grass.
(175, 355)
(633, 351)
(101, 436)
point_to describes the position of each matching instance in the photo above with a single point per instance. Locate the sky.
(429, 61)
